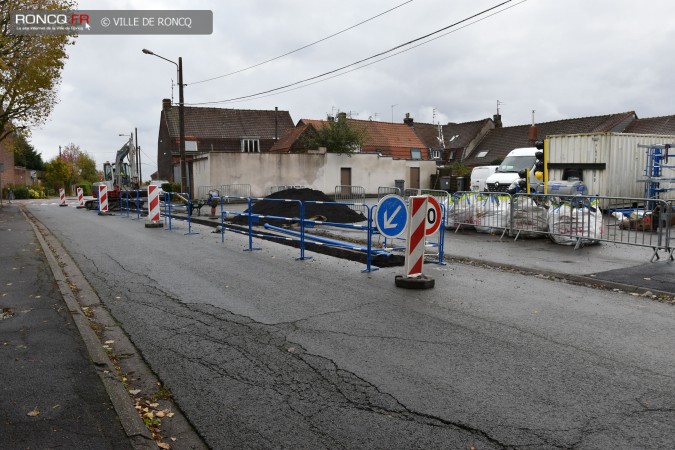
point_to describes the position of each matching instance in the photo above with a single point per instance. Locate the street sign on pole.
(392, 216)
(434, 216)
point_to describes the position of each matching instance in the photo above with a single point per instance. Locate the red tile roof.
(286, 142)
(390, 139)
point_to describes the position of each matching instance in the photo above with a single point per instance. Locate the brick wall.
(7, 159)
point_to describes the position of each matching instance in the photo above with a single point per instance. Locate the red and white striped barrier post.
(153, 208)
(80, 198)
(103, 200)
(62, 197)
(413, 277)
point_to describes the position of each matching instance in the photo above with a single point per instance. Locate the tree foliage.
(30, 68)
(338, 136)
(25, 154)
(74, 166)
(56, 174)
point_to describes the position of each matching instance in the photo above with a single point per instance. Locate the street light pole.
(184, 187)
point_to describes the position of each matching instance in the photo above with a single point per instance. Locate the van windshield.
(517, 163)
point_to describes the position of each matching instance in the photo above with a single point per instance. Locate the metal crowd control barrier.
(168, 209)
(487, 212)
(125, 195)
(235, 191)
(567, 219)
(387, 190)
(203, 191)
(351, 194)
(300, 236)
(257, 218)
(368, 228)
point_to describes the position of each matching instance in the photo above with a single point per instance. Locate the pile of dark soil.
(334, 212)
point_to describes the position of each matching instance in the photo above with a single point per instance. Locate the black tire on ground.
(421, 282)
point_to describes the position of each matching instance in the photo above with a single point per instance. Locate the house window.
(190, 146)
(250, 146)
(482, 154)
(452, 155)
(436, 154)
(415, 153)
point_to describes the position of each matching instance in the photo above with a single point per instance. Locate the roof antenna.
(499, 103)
(533, 117)
(172, 85)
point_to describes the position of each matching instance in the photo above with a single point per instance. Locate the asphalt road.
(263, 351)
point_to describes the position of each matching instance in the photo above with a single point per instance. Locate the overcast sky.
(561, 58)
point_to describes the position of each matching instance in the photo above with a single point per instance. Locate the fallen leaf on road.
(159, 414)
(163, 445)
(56, 406)
(109, 342)
(34, 413)
(173, 439)
(134, 391)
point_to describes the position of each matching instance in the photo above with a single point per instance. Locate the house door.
(414, 178)
(346, 176)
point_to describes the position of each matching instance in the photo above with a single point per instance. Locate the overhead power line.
(377, 60)
(331, 72)
(301, 48)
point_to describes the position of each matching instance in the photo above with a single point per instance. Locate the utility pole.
(181, 123)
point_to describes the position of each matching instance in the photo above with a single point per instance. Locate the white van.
(479, 175)
(507, 172)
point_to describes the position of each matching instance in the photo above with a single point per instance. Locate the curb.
(135, 429)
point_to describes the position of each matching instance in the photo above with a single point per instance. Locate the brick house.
(498, 142)
(215, 130)
(451, 142)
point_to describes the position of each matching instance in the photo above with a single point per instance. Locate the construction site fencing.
(387, 190)
(355, 195)
(296, 229)
(566, 219)
(234, 191)
(125, 205)
(206, 192)
(170, 208)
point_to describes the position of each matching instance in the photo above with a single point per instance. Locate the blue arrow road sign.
(392, 216)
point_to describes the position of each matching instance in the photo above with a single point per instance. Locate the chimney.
(497, 119)
(532, 136)
(408, 120)
(341, 116)
(166, 104)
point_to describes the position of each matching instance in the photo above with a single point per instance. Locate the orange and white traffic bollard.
(153, 208)
(62, 197)
(80, 198)
(414, 252)
(103, 200)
